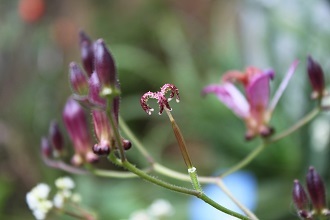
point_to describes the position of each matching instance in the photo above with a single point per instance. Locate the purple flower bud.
(316, 78)
(126, 144)
(56, 136)
(299, 196)
(46, 148)
(94, 91)
(104, 64)
(316, 189)
(103, 132)
(78, 80)
(87, 53)
(76, 125)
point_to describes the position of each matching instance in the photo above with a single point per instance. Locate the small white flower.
(38, 202)
(161, 208)
(58, 200)
(140, 215)
(64, 183)
(76, 198)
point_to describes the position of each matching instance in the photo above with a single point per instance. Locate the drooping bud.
(87, 53)
(299, 196)
(316, 190)
(78, 80)
(46, 148)
(94, 91)
(126, 144)
(76, 125)
(56, 136)
(103, 132)
(104, 64)
(316, 78)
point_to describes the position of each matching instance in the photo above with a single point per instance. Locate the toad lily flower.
(255, 108)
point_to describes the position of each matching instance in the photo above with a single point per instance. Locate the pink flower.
(255, 107)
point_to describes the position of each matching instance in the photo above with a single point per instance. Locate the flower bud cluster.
(96, 87)
(39, 202)
(317, 196)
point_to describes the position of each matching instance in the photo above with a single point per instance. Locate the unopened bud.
(46, 148)
(56, 136)
(78, 80)
(76, 125)
(316, 78)
(94, 91)
(316, 190)
(103, 132)
(126, 144)
(104, 64)
(299, 196)
(87, 53)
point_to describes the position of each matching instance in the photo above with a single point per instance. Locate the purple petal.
(231, 97)
(258, 91)
(283, 85)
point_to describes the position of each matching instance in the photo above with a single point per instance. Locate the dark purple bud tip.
(104, 64)
(316, 189)
(56, 136)
(87, 53)
(299, 196)
(78, 80)
(266, 131)
(304, 214)
(101, 149)
(249, 136)
(46, 148)
(316, 78)
(127, 144)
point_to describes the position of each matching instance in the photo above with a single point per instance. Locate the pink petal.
(231, 97)
(283, 85)
(258, 91)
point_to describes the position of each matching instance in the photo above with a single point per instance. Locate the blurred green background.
(187, 43)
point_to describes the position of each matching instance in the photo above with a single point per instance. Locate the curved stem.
(273, 139)
(57, 164)
(113, 174)
(222, 186)
(135, 140)
(175, 188)
(115, 129)
(245, 161)
(160, 169)
(296, 126)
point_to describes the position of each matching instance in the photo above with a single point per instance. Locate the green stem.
(111, 174)
(245, 161)
(222, 186)
(137, 144)
(175, 188)
(115, 129)
(296, 126)
(194, 179)
(273, 139)
(177, 175)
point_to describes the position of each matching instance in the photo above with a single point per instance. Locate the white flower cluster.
(64, 193)
(37, 200)
(40, 205)
(159, 209)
